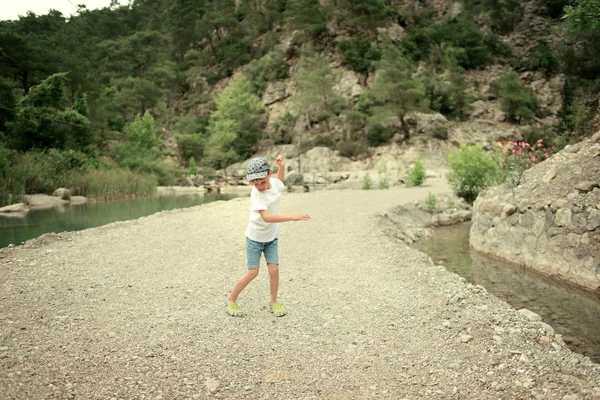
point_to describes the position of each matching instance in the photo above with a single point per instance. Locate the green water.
(572, 312)
(15, 230)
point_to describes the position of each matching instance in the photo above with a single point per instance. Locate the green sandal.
(278, 310)
(233, 309)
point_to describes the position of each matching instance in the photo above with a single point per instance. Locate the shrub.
(359, 55)
(367, 182)
(384, 182)
(431, 202)
(417, 174)
(522, 156)
(472, 170)
(378, 135)
(516, 100)
(543, 58)
(192, 169)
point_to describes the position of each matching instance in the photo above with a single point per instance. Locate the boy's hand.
(301, 217)
(279, 161)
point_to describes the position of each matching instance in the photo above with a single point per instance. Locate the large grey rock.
(294, 180)
(62, 193)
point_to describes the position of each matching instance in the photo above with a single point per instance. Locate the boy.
(262, 230)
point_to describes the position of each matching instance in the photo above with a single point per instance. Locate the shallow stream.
(572, 312)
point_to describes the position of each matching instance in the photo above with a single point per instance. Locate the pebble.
(571, 397)
(466, 338)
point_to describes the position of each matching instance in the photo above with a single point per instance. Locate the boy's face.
(263, 183)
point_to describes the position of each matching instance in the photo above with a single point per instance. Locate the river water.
(15, 230)
(572, 312)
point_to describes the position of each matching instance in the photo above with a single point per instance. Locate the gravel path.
(133, 310)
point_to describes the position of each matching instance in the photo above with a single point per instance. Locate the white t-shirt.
(258, 230)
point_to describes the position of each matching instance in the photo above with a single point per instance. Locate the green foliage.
(359, 54)
(139, 152)
(472, 170)
(431, 202)
(417, 174)
(316, 97)
(521, 156)
(235, 126)
(395, 92)
(192, 169)
(447, 94)
(460, 34)
(516, 100)
(116, 183)
(44, 119)
(543, 58)
(555, 7)
(307, 16)
(504, 14)
(267, 69)
(367, 182)
(581, 56)
(496, 46)
(364, 14)
(379, 134)
(384, 181)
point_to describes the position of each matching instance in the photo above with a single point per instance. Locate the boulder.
(294, 180)
(62, 193)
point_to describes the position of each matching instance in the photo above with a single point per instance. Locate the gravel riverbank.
(133, 310)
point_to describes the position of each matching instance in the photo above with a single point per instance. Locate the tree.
(30, 49)
(316, 97)
(365, 14)
(306, 15)
(396, 92)
(235, 126)
(45, 120)
(516, 100)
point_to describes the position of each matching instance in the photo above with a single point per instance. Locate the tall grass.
(114, 184)
(43, 172)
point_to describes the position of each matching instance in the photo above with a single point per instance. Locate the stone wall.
(551, 223)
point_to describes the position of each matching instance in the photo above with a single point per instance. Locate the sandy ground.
(133, 310)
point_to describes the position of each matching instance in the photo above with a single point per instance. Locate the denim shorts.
(255, 249)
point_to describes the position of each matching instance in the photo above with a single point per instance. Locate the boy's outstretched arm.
(281, 164)
(275, 218)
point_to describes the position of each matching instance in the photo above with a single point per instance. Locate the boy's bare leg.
(241, 284)
(274, 281)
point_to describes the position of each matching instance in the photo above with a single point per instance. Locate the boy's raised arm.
(281, 164)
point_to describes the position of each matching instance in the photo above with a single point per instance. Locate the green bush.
(472, 170)
(417, 174)
(431, 202)
(378, 135)
(359, 55)
(543, 58)
(367, 182)
(516, 100)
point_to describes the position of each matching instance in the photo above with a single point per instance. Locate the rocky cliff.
(551, 222)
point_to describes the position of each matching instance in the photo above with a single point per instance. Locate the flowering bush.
(520, 157)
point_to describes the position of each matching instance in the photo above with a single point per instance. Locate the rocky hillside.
(485, 122)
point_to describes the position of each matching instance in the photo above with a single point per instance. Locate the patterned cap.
(257, 168)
